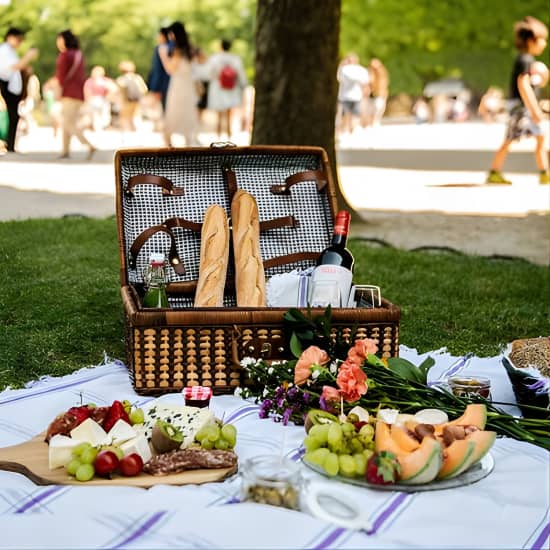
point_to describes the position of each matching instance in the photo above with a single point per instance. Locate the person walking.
(71, 75)
(531, 36)
(181, 115)
(11, 80)
(132, 89)
(379, 89)
(158, 79)
(227, 82)
(353, 85)
(98, 92)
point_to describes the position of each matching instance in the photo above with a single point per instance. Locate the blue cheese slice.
(189, 420)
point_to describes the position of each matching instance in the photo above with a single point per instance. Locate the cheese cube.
(60, 451)
(120, 432)
(139, 445)
(89, 431)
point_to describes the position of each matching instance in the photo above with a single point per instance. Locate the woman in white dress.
(180, 116)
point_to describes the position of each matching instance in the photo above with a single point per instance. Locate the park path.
(414, 186)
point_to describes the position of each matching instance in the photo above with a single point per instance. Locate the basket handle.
(150, 179)
(318, 176)
(276, 223)
(290, 259)
(144, 236)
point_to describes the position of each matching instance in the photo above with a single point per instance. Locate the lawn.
(60, 306)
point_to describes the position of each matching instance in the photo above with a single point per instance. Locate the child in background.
(539, 74)
(525, 116)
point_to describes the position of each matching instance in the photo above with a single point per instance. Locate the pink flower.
(310, 356)
(358, 353)
(331, 398)
(351, 380)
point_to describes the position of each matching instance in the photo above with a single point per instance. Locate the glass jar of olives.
(271, 480)
(468, 386)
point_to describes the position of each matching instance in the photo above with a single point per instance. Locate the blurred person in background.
(379, 84)
(181, 115)
(71, 75)
(11, 80)
(158, 79)
(353, 85)
(98, 92)
(491, 104)
(30, 99)
(199, 70)
(227, 82)
(132, 89)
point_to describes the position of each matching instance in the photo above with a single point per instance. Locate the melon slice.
(422, 465)
(403, 439)
(383, 440)
(457, 458)
(484, 441)
(475, 414)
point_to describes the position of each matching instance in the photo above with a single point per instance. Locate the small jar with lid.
(197, 396)
(470, 386)
(273, 480)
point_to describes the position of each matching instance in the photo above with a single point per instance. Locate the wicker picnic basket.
(161, 197)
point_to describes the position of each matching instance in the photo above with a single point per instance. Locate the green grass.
(60, 305)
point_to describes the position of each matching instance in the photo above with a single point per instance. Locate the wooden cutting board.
(31, 460)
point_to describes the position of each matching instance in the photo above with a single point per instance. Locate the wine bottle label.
(330, 284)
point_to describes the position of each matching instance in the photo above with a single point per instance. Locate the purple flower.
(306, 396)
(265, 407)
(292, 392)
(323, 404)
(286, 416)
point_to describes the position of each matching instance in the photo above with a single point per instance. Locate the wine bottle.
(155, 283)
(331, 280)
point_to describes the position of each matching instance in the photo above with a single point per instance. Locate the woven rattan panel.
(201, 178)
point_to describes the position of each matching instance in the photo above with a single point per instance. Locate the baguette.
(214, 258)
(249, 268)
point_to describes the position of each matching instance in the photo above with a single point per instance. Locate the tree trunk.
(296, 64)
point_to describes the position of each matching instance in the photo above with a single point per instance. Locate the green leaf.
(426, 365)
(295, 345)
(375, 360)
(406, 369)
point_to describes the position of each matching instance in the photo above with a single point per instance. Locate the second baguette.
(213, 259)
(249, 268)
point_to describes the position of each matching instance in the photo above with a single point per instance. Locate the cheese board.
(31, 460)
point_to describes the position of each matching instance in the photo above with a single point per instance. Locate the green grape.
(229, 433)
(115, 449)
(355, 445)
(221, 444)
(213, 432)
(80, 448)
(207, 444)
(127, 406)
(347, 465)
(348, 429)
(72, 466)
(367, 431)
(331, 464)
(367, 453)
(201, 434)
(311, 443)
(84, 472)
(320, 432)
(136, 416)
(334, 437)
(360, 463)
(317, 456)
(88, 455)
(353, 418)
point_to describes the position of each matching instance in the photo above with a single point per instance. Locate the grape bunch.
(81, 466)
(214, 436)
(340, 448)
(135, 414)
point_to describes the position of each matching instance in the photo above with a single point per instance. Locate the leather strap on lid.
(230, 179)
(285, 221)
(144, 236)
(318, 176)
(167, 186)
(183, 223)
(290, 259)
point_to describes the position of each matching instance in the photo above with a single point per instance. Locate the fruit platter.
(392, 451)
(122, 444)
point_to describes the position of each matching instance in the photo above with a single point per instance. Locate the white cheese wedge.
(361, 413)
(120, 432)
(189, 420)
(431, 416)
(389, 416)
(60, 451)
(139, 445)
(89, 431)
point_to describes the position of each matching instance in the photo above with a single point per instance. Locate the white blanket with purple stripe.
(507, 509)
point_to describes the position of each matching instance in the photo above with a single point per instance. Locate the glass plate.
(480, 470)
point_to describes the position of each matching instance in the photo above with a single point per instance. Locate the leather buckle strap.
(291, 259)
(230, 179)
(167, 186)
(183, 223)
(318, 176)
(144, 236)
(285, 221)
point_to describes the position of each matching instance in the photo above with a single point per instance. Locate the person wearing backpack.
(227, 82)
(132, 88)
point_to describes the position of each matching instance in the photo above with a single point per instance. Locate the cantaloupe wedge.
(421, 465)
(401, 436)
(475, 414)
(383, 440)
(457, 458)
(484, 440)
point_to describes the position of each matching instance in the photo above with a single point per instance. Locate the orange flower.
(351, 380)
(358, 353)
(310, 356)
(331, 397)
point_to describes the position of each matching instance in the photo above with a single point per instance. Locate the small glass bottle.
(155, 283)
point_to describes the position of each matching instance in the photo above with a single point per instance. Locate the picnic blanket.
(508, 509)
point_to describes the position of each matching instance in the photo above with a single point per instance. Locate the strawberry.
(382, 468)
(116, 412)
(80, 413)
(359, 424)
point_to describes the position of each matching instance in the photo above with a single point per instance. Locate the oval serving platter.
(477, 472)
